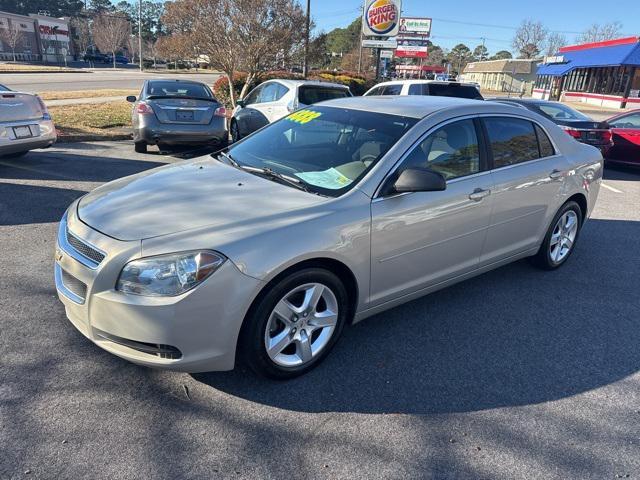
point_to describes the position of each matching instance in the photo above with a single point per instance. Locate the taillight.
(572, 131)
(43, 107)
(220, 112)
(606, 135)
(144, 109)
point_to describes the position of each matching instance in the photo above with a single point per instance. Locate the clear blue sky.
(568, 17)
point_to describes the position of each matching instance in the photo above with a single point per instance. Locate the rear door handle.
(478, 194)
(555, 174)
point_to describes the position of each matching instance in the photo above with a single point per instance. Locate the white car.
(25, 123)
(275, 99)
(426, 87)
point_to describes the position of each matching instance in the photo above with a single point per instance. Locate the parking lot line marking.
(609, 187)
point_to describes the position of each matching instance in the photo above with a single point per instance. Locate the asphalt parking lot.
(517, 373)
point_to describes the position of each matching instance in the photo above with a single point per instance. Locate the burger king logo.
(382, 16)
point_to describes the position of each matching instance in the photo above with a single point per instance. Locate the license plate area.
(22, 132)
(184, 115)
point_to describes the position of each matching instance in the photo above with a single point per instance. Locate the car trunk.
(183, 110)
(590, 131)
(18, 107)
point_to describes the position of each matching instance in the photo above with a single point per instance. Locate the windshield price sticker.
(303, 116)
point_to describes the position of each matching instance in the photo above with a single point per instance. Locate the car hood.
(184, 196)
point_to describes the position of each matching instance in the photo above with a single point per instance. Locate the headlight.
(168, 275)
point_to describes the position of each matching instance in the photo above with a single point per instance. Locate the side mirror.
(132, 98)
(418, 180)
(241, 103)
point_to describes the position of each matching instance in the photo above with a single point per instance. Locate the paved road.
(92, 80)
(515, 374)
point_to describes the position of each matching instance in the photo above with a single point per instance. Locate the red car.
(625, 128)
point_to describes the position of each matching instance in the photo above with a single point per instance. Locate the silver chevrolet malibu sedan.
(264, 252)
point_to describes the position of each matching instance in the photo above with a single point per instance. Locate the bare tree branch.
(599, 33)
(529, 39)
(110, 33)
(554, 42)
(13, 37)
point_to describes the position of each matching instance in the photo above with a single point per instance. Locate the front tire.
(561, 238)
(295, 324)
(235, 131)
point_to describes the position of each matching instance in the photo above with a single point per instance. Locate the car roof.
(418, 81)
(416, 106)
(296, 83)
(177, 80)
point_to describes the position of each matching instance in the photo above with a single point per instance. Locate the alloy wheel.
(563, 236)
(301, 325)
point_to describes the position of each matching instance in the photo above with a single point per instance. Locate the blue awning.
(614, 56)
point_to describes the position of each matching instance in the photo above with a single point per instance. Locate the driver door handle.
(478, 194)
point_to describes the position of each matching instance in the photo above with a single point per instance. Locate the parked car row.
(104, 58)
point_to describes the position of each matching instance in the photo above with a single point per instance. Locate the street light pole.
(140, 34)
(305, 68)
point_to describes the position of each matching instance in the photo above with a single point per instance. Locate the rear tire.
(301, 336)
(140, 147)
(560, 239)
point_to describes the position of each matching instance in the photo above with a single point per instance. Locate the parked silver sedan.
(339, 211)
(25, 123)
(177, 112)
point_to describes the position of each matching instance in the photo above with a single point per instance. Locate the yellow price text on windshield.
(303, 116)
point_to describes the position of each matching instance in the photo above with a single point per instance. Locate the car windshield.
(327, 149)
(4, 88)
(310, 94)
(561, 112)
(178, 89)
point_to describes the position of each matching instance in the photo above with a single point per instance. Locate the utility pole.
(305, 68)
(140, 34)
(360, 52)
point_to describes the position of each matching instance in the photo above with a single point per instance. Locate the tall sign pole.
(140, 34)
(305, 68)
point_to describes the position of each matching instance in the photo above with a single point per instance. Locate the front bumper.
(193, 332)
(44, 135)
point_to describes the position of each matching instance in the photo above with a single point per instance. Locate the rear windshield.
(561, 112)
(309, 95)
(179, 89)
(453, 90)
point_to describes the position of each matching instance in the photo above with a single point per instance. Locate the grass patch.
(91, 119)
(17, 68)
(87, 94)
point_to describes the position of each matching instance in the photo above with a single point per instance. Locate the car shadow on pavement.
(621, 172)
(513, 336)
(25, 204)
(51, 165)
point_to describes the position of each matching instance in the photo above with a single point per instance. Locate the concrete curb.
(109, 137)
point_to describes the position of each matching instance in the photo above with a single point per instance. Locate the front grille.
(157, 349)
(84, 249)
(74, 285)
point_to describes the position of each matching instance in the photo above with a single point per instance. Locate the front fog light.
(168, 275)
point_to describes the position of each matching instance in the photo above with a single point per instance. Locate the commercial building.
(41, 38)
(509, 75)
(602, 73)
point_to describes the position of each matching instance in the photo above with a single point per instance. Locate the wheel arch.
(581, 200)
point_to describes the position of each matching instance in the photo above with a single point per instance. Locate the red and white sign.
(408, 51)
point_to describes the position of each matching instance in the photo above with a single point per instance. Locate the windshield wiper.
(229, 158)
(272, 174)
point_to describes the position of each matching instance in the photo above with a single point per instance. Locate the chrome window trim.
(396, 165)
(71, 251)
(60, 286)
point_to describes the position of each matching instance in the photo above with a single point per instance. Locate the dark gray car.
(177, 112)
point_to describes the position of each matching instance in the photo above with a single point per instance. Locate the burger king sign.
(381, 18)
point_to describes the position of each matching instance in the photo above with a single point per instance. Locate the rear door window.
(546, 147)
(512, 140)
(393, 89)
(453, 90)
(269, 93)
(310, 94)
(415, 89)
